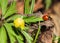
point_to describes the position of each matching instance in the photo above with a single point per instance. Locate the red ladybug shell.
(45, 17)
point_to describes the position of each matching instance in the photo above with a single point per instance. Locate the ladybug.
(45, 17)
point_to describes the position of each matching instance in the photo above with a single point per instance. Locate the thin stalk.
(26, 6)
(48, 4)
(32, 6)
(37, 34)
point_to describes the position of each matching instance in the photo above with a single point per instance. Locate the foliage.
(48, 4)
(29, 8)
(56, 38)
(7, 28)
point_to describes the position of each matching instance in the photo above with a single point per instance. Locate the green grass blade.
(26, 7)
(3, 35)
(32, 7)
(48, 3)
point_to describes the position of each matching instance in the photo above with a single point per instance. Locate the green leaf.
(3, 35)
(13, 17)
(9, 29)
(33, 19)
(32, 7)
(48, 3)
(26, 7)
(11, 10)
(12, 38)
(10, 32)
(20, 39)
(4, 4)
(28, 37)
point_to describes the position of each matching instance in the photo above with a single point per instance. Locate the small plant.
(12, 25)
(7, 28)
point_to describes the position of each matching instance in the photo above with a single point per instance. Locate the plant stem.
(32, 6)
(37, 34)
(26, 7)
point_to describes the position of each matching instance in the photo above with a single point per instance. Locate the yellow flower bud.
(19, 23)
